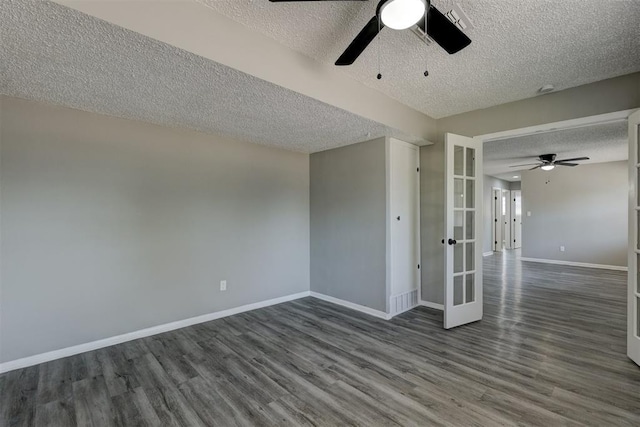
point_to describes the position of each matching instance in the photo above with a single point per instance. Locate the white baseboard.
(576, 264)
(154, 330)
(432, 305)
(487, 253)
(353, 306)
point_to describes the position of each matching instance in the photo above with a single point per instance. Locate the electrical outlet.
(561, 248)
(223, 285)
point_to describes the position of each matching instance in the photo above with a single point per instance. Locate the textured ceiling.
(518, 46)
(55, 54)
(602, 143)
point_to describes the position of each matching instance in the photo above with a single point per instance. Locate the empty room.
(319, 213)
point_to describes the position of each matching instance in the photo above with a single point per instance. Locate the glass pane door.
(463, 290)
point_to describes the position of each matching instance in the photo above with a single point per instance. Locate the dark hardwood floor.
(549, 351)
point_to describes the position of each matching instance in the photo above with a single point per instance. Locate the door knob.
(398, 218)
(452, 241)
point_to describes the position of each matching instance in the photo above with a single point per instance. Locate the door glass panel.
(458, 193)
(469, 296)
(458, 160)
(470, 258)
(457, 258)
(458, 297)
(471, 164)
(470, 229)
(458, 222)
(471, 186)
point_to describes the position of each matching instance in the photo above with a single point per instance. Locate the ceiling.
(602, 143)
(55, 54)
(517, 47)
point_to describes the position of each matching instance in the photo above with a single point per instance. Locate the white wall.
(583, 209)
(110, 226)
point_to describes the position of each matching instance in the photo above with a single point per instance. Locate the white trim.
(561, 125)
(576, 264)
(154, 330)
(405, 144)
(432, 305)
(351, 305)
(487, 253)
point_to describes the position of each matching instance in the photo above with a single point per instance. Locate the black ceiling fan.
(403, 14)
(548, 162)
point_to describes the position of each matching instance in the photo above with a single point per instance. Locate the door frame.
(633, 242)
(616, 116)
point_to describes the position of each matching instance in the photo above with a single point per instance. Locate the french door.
(463, 225)
(633, 316)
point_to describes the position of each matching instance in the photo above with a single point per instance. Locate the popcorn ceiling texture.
(602, 143)
(54, 54)
(517, 46)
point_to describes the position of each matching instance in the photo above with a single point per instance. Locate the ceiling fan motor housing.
(548, 158)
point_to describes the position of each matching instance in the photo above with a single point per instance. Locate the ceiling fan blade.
(444, 32)
(575, 159)
(566, 164)
(537, 167)
(360, 43)
(527, 164)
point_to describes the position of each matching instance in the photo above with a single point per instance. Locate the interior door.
(463, 225)
(405, 225)
(516, 218)
(496, 208)
(506, 219)
(633, 316)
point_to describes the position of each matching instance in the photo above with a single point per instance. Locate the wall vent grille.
(404, 302)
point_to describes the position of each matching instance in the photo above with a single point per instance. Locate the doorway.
(506, 219)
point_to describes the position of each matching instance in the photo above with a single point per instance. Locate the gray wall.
(582, 208)
(517, 185)
(348, 223)
(432, 222)
(606, 96)
(110, 226)
(490, 182)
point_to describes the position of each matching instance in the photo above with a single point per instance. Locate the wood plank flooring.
(549, 351)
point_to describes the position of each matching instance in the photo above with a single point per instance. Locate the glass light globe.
(402, 14)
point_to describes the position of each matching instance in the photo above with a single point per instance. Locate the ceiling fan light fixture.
(547, 167)
(402, 14)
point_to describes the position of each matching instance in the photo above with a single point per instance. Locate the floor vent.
(404, 302)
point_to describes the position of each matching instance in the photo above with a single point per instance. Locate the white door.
(516, 218)
(405, 225)
(496, 234)
(506, 219)
(463, 225)
(633, 316)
